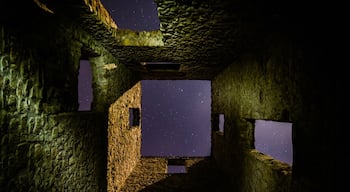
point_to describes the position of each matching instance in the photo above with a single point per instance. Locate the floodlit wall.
(124, 139)
(46, 144)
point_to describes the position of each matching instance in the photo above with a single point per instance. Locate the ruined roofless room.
(225, 95)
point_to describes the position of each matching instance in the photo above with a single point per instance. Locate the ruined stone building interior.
(263, 60)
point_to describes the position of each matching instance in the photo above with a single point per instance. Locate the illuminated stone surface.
(124, 143)
(264, 61)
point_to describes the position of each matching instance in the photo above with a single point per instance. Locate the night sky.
(85, 86)
(138, 15)
(274, 138)
(176, 118)
(176, 114)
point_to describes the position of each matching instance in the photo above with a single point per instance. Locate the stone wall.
(124, 139)
(151, 174)
(268, 174)
(110, 80)
(128, 37)
(52, 153)
(44, 145)
(275, 80)
(148, 171)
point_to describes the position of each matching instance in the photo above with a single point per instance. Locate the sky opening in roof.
(137, 15)
(176, 118)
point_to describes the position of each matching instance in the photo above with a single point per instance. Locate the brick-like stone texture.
(257, 89)
(124, 140)
(272, 82)
(126, 37)
(45, 144)
(96, 7)
(276, 178)
(265, 62)
(150, 174)
(52, 153)
(43, 148)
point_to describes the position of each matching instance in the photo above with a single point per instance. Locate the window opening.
(134, 117)
(176, 169)
(161, 66)
(221, 122)
(274, 139)
(85, 95)
(176, 166)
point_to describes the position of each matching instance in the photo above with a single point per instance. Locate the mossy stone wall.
(46, 144)
(276, 79)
